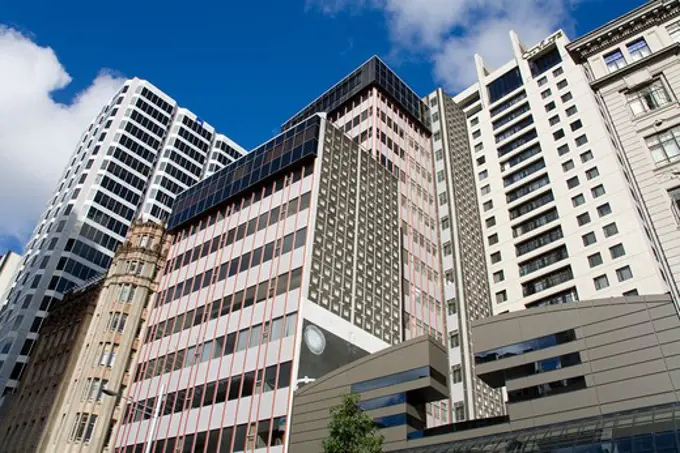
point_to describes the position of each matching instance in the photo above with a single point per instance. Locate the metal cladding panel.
(275, 156)
(372, 73)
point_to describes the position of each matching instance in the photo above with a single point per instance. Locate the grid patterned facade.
(466, 284)
(139, 152)
(355, 257)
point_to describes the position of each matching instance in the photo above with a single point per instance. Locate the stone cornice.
(611, 34)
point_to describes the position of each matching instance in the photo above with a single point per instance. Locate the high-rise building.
(317, 248)
(9, 264)
(140, 151)
(466, 285)
(632, 66)
(562, 217)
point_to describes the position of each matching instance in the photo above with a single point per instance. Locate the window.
(454, 340)
(562, 83)
(550, 106)
(589, 239)
(597, 191)
(595, 259)
(481, 160)
(542, 81)
(566, 97)
(592, 173)
(674, 31)
(488, 205)
(604, 210)
(447, 249)
(439, 154)
(582, 140)
(614, 61)
(576, 125)
(504, 85)
(442, 198)
(501, 296)
(583, 219)
(610, 230)
(495, 257)
(479, 146)
(572, 182)
(491, 221)
(485, 190)
(585, 157)
(498, 277)
(571, 110)
(452, 306)
(563, 149)
(446, 223)
(83, 427)
(624, 274)
(554, 120)
(440, 176)
(546, 93)
(493, 239)
(665, 146)
(617, 251)
(476, 134)
(568, 165)
(638, 49)
(558, 134)
(483, 175)
(648, 98)
(601, 282)
(632, 292)
(456, 374)
(578, 200)
(474, 121)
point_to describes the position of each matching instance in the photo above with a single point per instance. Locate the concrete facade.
(9, 264)
(313, 402)
(588, 373)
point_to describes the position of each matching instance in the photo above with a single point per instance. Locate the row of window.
(285, 282)
(219, 347)
(228, 389)
(241, 231)
(237, 264)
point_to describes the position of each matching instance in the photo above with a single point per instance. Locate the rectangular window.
(495, 257)
(550, 106)
(610, 230)
(546, 93)
(504, 85)
(501, 296)
(589, 239)
(572, 182)
(601, 282)
(585, 157)
(571, 110)
(568, 165)
(578, 200)
(563, 149)
(604, 210)
(592, 173)
(456, 374)
(581, 140)
(566, 97)
(454, 340)
(595, 259)
(525, 347)
(624, 273)
(576, 125)
(583, 219)
(614, 61)
(665, 146)
(543, 260)
(536, 242)
(558, 134)
(638, 49)
(562, 83)
(648, 98)
(597, 191)
(617, 251)
(674, 31)
(498, 276)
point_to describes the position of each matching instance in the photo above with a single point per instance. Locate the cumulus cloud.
(37, 134)
(450, 32)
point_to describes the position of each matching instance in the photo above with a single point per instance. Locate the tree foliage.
(352, 430)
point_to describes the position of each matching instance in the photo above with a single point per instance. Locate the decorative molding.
(618, 32)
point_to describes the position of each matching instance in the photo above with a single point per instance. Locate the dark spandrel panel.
(277, 155)
(373, 72)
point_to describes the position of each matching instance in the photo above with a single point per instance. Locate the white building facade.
(137, 154)
(633, 68)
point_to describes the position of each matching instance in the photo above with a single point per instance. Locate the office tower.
(92, 335)
(9, 264)
(560, 217)
(466, 285)
(137, 154)
(632, 67)
(284, 266)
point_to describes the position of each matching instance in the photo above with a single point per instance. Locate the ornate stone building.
(81, 416)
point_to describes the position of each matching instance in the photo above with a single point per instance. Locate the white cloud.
(37, 134)
(450, 32)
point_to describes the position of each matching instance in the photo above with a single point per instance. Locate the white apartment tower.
(140, 151)
(561, 216)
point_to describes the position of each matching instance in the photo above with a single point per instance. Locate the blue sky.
(245, 67)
